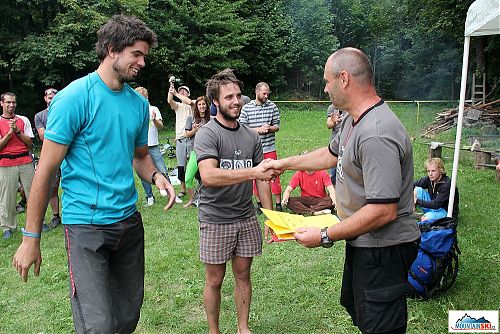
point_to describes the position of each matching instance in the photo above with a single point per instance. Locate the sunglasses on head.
(51, 91)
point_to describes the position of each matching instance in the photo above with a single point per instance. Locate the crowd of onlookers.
(317, 192)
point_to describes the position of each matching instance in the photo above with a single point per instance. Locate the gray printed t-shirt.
(236, 148)
(375, 166)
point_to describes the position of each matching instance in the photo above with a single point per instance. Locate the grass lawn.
(295, 290)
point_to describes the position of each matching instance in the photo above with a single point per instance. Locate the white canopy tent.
(483, 18)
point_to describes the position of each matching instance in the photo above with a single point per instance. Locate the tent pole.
(463, 85)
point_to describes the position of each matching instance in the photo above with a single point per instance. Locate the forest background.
(415, 46)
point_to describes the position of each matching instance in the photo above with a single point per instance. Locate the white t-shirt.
(181, 113)
(154, 113)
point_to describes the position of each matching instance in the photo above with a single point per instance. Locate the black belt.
(14, 156)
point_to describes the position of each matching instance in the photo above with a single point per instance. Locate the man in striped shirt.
(263, 116)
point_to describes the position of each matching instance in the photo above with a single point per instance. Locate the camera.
(173, 79)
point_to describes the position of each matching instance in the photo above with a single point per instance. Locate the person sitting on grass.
(431, 193)
(200, 117)
(313, 198)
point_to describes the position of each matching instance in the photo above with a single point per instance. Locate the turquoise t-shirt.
(101, 128)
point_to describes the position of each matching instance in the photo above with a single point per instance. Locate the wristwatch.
(326, 242)
(153, 177)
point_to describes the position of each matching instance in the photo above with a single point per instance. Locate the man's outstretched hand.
(265, 172)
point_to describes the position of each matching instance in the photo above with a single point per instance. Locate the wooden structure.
(482, 160)
(478, 91)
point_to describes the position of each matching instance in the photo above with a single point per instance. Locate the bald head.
(354, 62)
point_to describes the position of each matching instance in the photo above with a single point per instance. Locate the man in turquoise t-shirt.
(97, 127)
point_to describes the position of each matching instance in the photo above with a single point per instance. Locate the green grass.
(295, 290)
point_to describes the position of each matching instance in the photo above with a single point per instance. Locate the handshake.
(269, 169)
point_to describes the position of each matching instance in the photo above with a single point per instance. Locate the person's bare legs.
(54, 204)
(191, 198)
(242, 291)
(214, 276)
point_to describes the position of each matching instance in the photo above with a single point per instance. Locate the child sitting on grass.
(431, 193)
(313, 197)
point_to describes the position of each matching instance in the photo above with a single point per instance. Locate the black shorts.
(374, 286)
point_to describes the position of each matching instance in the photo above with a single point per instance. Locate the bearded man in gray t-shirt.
(374, 160)
(229, 157)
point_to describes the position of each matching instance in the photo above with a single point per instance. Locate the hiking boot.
(7, 234)
(55, 221)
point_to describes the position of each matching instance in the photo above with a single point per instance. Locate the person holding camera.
(182, 111)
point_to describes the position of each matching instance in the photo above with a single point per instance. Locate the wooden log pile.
(480, 114)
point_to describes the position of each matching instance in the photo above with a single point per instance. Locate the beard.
(121, 74)
(224, 111)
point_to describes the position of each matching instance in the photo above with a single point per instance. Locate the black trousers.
(106, 269)
(374, 286)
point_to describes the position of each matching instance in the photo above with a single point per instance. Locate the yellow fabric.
(284, 224)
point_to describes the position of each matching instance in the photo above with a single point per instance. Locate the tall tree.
(313, 40)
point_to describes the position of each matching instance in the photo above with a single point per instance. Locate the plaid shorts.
(221, 242)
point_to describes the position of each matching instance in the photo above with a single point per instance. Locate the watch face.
(325, 240)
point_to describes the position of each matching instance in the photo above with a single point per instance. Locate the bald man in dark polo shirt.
(374, 160)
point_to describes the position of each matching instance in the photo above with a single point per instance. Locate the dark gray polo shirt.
(375, 165)
(236, 148)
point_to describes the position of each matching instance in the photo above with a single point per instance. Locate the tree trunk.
(481, 54)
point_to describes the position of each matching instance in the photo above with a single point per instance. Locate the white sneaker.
(150, 201)
(178, 200)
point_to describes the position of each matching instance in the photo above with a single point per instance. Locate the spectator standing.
(182, 111)
(374, 197)
(155, 124)
(229, 158)
(334, 119)
(98, 124)
(16, 163)
(40, 125)
(263, 116)
(200, 117)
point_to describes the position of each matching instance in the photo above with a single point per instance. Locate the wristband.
(157, 172)
(30, 234)
(153, 176)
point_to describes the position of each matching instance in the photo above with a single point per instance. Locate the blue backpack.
(436, 267)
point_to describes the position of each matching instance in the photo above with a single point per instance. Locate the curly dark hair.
(223, 77)
(122, 31)
(196, 112)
